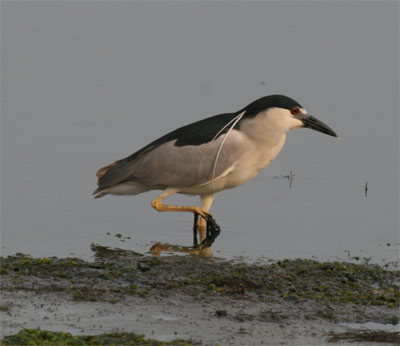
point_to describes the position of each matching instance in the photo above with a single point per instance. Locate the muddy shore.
(205, 301)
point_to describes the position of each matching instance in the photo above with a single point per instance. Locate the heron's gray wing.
(189, 165)
(192, 135)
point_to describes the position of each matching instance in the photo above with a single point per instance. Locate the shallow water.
(84, 84)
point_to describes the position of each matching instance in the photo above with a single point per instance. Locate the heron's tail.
(98, 193)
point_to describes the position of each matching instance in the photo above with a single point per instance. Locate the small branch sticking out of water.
(366, 189)
(289, 177)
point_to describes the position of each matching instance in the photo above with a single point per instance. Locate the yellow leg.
(159, 206)
(201, 229)
(206, 202)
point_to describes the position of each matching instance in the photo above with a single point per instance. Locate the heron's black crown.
(266, 102)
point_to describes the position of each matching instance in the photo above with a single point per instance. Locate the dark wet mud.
(187, 300)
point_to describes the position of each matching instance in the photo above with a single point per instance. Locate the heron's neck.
(263, 132)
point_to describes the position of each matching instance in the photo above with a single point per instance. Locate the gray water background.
(86, 83)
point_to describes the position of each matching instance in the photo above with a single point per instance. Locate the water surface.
(86, 83)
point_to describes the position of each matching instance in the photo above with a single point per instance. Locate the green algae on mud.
(34, 337)
(297, 294)
(301, 278)
(367, 336)
(115, 274)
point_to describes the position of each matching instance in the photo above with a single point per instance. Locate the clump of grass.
(5, 307)
(22, 264)
(366, 335)
(44, 337)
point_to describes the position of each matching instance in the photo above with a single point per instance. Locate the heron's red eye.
(295, 110)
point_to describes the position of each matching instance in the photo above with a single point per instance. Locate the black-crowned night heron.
(208, 156)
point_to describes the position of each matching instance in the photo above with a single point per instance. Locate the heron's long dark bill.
(313, 123)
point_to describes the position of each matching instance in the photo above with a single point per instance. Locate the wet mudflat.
(185, 300)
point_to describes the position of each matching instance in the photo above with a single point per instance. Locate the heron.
(205, 157)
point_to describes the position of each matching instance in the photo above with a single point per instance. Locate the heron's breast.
(253, 162)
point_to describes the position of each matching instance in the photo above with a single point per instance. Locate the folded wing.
(184, 157)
